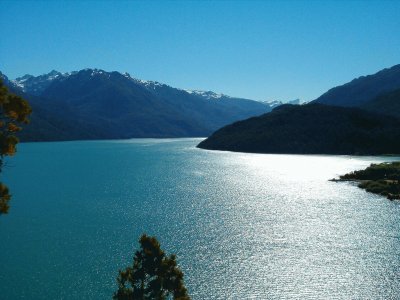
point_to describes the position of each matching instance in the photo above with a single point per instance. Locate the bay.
(244, 226)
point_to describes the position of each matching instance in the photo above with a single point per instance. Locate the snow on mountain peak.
(36, 84)
(275, 103)
(206, 94)
(151, 85)
(127, 75)
(95, 72)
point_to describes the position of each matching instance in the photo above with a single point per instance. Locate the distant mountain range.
(359, 117)
(95, 104)
(275, 103)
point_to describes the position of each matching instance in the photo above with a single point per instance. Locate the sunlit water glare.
(244, 226)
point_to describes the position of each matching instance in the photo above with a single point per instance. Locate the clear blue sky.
(260, 50)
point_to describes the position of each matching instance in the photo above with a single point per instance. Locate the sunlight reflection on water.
(244, 226)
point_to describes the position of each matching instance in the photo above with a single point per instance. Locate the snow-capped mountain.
(294, 102)
(276, 103)
(272, 103)
(155, 85)
(148, 84)
(35, 85)
(95, 104)
(207, 94)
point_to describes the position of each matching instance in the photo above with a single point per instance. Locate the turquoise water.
(244, 226)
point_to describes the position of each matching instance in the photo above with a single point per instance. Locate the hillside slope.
(310, 129)
(388, 104)
(363, 89)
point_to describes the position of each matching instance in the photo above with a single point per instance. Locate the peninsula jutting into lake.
(310, 129)
(382, 179)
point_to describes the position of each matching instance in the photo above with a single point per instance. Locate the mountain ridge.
(363, 89)
(108, 105)
(29, 82)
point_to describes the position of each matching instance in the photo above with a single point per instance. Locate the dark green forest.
(311, 129)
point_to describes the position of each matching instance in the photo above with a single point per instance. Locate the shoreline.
(382, 179)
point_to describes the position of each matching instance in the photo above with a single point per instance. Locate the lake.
(244, 226)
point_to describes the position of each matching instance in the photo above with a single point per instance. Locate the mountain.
(95, 104)
(363, 89)
(362, 118)
(47, 121)
(388, 104)
(36, 85)
(294, 102)
(275, 103)
(310, 129)
(9, 84)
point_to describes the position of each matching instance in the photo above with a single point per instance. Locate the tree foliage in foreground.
(13, 111)
(152, 276)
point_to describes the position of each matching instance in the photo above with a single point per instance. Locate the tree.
(13, 110)
(152, 276)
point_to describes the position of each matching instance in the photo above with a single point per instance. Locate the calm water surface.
(244, 226)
